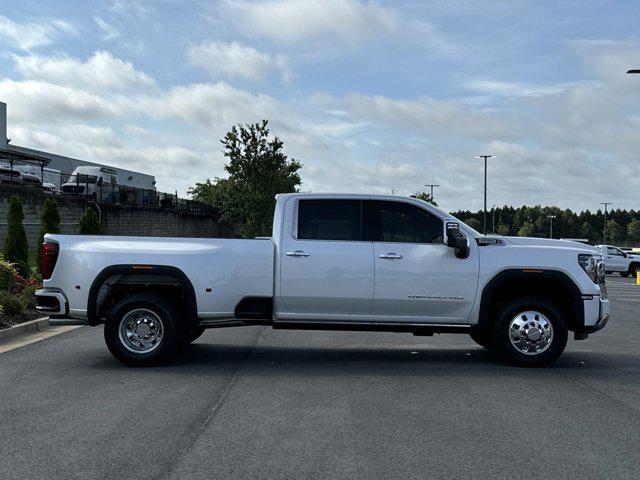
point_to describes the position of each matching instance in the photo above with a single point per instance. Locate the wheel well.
(554, 286)
(116, 282)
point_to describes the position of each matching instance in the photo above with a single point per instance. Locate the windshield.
(80, 178)
(449, 217)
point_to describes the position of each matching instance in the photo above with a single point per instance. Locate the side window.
(613, 251)
(386, 221)
(329, 220)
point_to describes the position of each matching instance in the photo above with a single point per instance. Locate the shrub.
(16, 248)
(28, 295)
(89, 223)
(13, 305)
(49, 223)
(8, 274)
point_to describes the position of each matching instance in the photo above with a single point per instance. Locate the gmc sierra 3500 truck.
(334, 262)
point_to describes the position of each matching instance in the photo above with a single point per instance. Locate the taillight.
(49, 258)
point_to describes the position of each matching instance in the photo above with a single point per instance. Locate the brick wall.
(116, 219)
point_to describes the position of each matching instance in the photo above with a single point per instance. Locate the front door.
(417, 277)
(326, 270)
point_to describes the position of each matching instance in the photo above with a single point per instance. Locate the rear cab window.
(330, 220)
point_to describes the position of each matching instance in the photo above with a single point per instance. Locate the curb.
(37, 325)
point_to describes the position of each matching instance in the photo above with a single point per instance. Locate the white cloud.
(209, 105)
(41, 102)
(236, 60)
(102, 71)
(109, 31)
(29, 35)
(426, 115)
(295, 20)
(513, 89)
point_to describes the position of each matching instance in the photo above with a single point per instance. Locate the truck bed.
(222, 271)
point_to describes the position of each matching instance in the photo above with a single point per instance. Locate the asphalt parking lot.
(258, 403)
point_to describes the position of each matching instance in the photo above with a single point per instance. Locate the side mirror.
(456, 239)
(99, 182)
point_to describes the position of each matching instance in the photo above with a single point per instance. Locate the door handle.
(297, 253)
(390, 256)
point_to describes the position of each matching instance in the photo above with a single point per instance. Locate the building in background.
(50, 163)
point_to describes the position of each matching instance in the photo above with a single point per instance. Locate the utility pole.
(551, 217)
(484, 214)
(604, 229)
(432, 185)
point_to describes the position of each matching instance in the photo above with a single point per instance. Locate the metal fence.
(103, 190)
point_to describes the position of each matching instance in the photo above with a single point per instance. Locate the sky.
(371, 96)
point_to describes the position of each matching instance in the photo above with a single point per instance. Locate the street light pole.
(604, 229)
(484, 215)
(432, 185)
(551, 217)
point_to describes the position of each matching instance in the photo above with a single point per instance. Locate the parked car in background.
(97, 183)
(616, 260)
(50, 188)
(10, 174)
(333, 262)
(31, 174)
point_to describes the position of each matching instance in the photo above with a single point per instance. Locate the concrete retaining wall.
(116, 219)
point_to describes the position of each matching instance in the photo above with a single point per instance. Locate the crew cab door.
(326, 269)
(417, 277)
(615, 259)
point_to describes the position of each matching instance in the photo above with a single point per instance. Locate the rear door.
(326, 270)
(417, 277)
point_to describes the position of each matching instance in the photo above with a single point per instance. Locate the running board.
(415, 328)
(59, 322)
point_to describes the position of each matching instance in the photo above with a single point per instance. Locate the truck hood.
(548, 242)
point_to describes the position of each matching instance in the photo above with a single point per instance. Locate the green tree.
(614, 231)
(503, 229)
(258, 170)
(16, 248)
(49, 223)
(526, 230)
(633, 231)
(89, 223)
(473, 223)
(426, 197)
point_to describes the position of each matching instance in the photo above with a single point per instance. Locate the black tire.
(193, 334)
(634, 268)
(148, 305)
(482, 338)
(625, 274)
(549, 314)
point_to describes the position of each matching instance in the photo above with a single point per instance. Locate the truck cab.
(100, 184)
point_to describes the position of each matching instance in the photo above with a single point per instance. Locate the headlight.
(591, 265)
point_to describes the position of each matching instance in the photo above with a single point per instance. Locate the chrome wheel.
(141, 331)
(530, 332)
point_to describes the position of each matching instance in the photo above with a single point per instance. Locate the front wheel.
(142, 329)
(530, 332)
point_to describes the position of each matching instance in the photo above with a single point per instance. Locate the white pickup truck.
(334, 262)
(615, 260)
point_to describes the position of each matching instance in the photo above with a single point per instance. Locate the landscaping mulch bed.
(7, 321)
